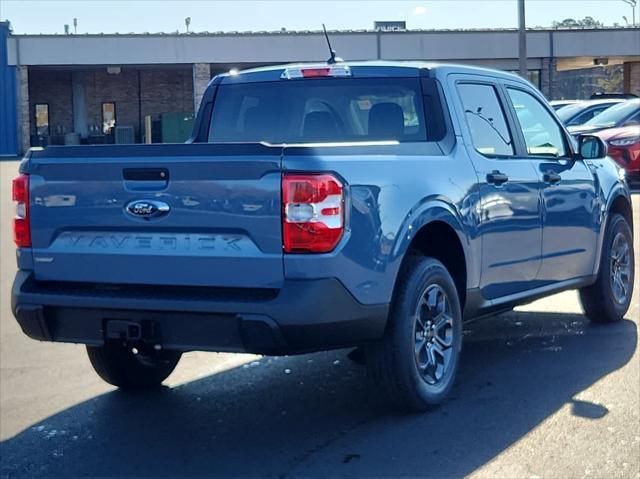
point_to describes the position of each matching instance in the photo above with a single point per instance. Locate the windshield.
(615, 115)
(319, 110)
(567, 112)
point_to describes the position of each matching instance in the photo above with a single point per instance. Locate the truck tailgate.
(190, 215)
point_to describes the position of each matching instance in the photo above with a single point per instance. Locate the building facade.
(145, 87)
(8, 103)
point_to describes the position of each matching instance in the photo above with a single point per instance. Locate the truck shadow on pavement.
(324, 418)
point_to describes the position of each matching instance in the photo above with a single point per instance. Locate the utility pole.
(632, 4)
(522, 41)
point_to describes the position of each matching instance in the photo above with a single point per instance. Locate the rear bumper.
(303, 316)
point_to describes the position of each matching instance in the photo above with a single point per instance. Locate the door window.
(542, 135)
(587, 115)
(634, 120)
(485, 117)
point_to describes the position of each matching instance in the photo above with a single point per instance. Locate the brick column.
(201, 78)
(632, 77)
(24, 114)
(548, 77)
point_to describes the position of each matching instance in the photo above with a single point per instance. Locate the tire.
(120, 367)
(602, 301)
(393, 362)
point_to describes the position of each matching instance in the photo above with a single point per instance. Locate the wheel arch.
(438, 232)
(619, 203)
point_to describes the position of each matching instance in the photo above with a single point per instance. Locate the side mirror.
(592, 147)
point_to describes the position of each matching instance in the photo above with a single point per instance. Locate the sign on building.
(394, 26)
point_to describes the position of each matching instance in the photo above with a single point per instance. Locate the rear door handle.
(497, 177)
(552, 178)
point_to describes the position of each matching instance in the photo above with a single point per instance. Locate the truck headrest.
(386, 121)
(319, 125)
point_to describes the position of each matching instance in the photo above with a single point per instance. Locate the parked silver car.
(581, 112)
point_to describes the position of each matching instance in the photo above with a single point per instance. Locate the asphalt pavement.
(541, 392)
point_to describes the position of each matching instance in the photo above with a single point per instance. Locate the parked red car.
(624, 148)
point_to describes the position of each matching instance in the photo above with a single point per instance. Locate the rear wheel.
(608, 299)
(417, 360)
(119, 366)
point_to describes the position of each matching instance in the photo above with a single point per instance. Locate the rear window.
(319, 110)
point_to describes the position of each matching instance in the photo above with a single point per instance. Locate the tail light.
(21, 225)
(312, 213)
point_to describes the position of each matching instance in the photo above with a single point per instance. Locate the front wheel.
(119, 366)
(608, 299)
(416, 362)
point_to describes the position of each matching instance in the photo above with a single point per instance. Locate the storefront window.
(42, 119)
(108, 117)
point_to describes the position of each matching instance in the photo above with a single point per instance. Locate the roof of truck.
(363, 69)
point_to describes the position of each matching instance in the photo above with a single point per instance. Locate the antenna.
(333, 58)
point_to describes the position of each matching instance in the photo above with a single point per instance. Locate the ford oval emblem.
(147, 209)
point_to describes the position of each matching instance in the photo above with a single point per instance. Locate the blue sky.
(94, 16)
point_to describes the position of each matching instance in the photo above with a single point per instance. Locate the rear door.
(570, 208)
(510, 221)
(192, 215)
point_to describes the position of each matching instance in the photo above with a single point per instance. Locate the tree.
(590, 22)
(566, 23)
(586, 22)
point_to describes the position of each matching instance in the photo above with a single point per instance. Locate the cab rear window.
(319, 110)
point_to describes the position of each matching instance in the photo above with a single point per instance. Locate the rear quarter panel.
(393, 190)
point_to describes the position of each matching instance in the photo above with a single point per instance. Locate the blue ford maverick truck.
(322, 206)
